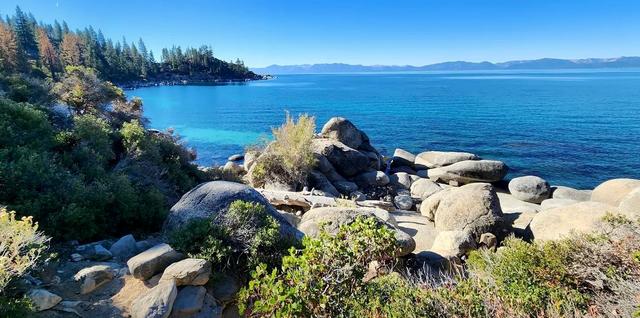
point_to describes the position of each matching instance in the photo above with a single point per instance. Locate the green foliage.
(289, 158)
(15, 307)
(322, 279)
(240, 239)
(84, 92)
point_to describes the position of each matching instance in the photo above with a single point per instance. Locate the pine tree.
(8, 48)
(24, 26)
(48, 55)
(71, 50)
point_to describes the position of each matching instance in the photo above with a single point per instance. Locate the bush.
(324, 278)
(240, 239)
(289, 158)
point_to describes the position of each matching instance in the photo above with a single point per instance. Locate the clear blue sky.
(417, 32)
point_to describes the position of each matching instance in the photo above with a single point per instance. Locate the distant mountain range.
(540, 64)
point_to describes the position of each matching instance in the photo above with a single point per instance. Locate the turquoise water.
(574, 128)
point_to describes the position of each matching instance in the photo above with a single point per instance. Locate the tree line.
(28, 46)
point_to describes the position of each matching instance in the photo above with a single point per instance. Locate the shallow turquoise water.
(575, 128)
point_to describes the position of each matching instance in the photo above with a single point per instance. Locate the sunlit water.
(575, 128)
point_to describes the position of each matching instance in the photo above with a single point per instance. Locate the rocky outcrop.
(613, 191)
(469, 171)
(153, 261)
(344, 131)
(331, 218)
(530, 189)
(435, 159)
(190, 271)
(211, 199)
(346, 160)
(156, 302)
(582, 217)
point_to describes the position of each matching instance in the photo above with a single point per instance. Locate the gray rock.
(210, 309)
(208, 200)
(403, 202)
(582, 217)
(346, 160)
(424, 188)
(320, 182)
(382, 179)
(488, 240)
(190, 271)
(224, 287)
(403, 169)
(43, 299)
(101, 253)
(422, 173)
(345, 187)
(236, 157)
(342, 130)
(233, 167)
(189, 301)
(556, 203)
(327, 169)
(156, 302)
(124, 248)
(613, 191)
(630, 205)
(560, 192)
(530, 189)
(333, 217)
(453, 243)
(400, 180)
(435, 159)
(152, 261)
(472, 208)
(142, 246)
(371, 178)
(469, 171)
(357, 196)
(91, 278)
(402, 157)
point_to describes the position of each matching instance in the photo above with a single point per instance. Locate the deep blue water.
(574, 128)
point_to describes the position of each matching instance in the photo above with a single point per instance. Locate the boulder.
(210, 309)
(530, 189)
(224, 287)
(453, 243)
(333, 217)
(400, 180)
(233, 167)
(556, 203)
(509, 204)
(346, 160)
(613, 191)
(472, 208)
(124, 248)
(435, 159)
(424, 188)
(403, 201)
(152, 261)
(371, 178)
(582, 217)
(402, 169)
(157, 302)
(236, 157)
(488, 240)
(402, 157)
(469, 171)
(566, 193)
(210, 199)
(188, 301)
(190, 271)
(342, 130)
(91, 278)
(345, 187)
(518, 223)
(418, 227)
(320, 182)
(42, 299)
(630, 205)
(324, 166)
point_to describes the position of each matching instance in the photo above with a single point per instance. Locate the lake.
(572, 127)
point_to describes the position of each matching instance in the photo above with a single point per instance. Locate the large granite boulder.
(630, 205)
(435, 159)
(342, 130)
(530, 189)
(152, 261)
(401, 181)
(582, 217)
(424, 188)
(469, 171)
(124, 248)
(210, 199)
(472, 208)
(319, 181)
(613, 191)
(346, 160)
(402, 157)
(189, 301)
(333, 217)
(556, 203)
(567, 193)
(453, 243)
(190, 271)
(157, 302)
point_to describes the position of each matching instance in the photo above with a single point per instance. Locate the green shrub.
(323, 278)
(289, 158)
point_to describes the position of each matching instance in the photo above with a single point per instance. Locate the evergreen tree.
(8, 48)
(24, 28)
(48, 54)
(71, 50)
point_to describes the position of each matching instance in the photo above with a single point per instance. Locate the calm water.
(575, 128)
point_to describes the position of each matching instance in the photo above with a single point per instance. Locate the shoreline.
(187, 82)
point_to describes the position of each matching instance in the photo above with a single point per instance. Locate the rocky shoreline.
(190, 81)
(440, 205)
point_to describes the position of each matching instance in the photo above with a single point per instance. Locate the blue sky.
(417, 32)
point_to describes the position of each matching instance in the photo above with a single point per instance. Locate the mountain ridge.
(537, 64)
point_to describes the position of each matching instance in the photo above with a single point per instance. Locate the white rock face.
(156, 302)
(613, 191)
(530, 189)
(43, 299)
(435, 159)
(190, 271)
(582, 217)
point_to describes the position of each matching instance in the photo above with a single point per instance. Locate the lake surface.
(574, 128)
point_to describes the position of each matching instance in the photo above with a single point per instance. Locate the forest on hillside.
(44, 50)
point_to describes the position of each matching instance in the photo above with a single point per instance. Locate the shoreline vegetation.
(114, 219)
